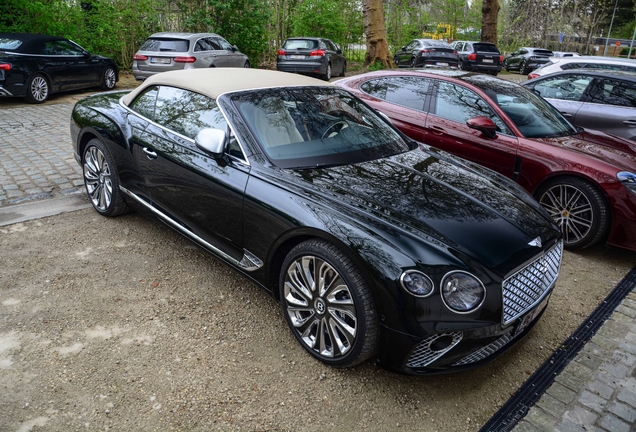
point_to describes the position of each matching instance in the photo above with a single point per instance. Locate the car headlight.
(417, 283)
(628, 179)
(462, 292)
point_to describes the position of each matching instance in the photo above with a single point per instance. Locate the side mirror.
(484, 125)
(384, 116)
(212, 141)
(234, 48)
(338, 51)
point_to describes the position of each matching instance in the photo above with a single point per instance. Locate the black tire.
(493, 73)
(344, 69)
(522, 68)
(339, 327)
(247, 64)
(327, 75)
(591, 222)
(396, 60)
(38, 89)
(505, 66)
(109, 79)
(462, 65)
(101, 180)
(412, 64)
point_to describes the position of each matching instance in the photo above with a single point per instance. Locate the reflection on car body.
(375, 245)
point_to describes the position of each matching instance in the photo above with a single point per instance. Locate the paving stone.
(591, 361)
(623, 411)
(541, 419)
(562, 393)
(525, 426)
(551, 405)
(618, 316)
(570, 381)
(579, 370)
(568, 426)
(613, 330)
(614, 424)
(627, 346)
(627, 396)
(624, 358)
(601, 389)
(592, 401)
(617, 369)
(607, 378)
(581, 416)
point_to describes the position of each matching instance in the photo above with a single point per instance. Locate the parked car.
(163, 52)
(604, 100)
(585, 179)
(373, 243)
(312, 56)
(584, 62)
(426, 53)
(478, 56)
(35, 66)
(526, 59)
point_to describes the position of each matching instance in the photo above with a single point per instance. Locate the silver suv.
(557, 64)
(163, 52)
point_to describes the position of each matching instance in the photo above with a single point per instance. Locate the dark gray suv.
(478, 56)
(311, 56)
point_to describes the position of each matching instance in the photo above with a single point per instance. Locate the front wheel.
(101, 180)
(328, 305)
(37, 89)
(247, 64)
(578, 208)
(109, 79)
(412, 64)
(505, 66)
(396, 60)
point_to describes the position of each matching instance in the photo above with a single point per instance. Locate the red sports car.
(585, 179)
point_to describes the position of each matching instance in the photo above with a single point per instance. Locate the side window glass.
(224, 44)
(187, 112)
(61, 48)
(406, 91)
(214, 44)
(459, 104)
(614, 92)
(201, 45)
(564, 87)
(144, 104)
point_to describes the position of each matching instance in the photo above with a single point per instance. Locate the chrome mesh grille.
(423, 355)
(486, 351)
(525, 288)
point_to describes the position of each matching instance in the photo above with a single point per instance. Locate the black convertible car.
(374, 244)
(35, 66)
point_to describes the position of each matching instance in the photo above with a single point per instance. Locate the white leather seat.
(273, 123)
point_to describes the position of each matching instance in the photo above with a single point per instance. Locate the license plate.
(159, 60)
(531, 316)
(442, 64)
(297, 57)
(486, 61)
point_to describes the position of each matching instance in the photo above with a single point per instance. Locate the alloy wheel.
(109, 78)
(571, 209)
(39, 88)
(320, 307)
(97, 178)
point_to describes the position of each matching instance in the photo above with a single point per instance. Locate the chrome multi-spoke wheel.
(101, 180)
(37, 89)
(327, 304)
(109, 80)
(578, 209)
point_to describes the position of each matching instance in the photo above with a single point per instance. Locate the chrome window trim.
(249, 262)
(243, 161)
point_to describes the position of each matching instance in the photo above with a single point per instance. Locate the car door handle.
(437, 130)
(630, 122)
(150, 153)
(567, 115)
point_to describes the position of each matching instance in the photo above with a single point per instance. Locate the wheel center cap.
(320, 307)
(101, 178)
(565, 213)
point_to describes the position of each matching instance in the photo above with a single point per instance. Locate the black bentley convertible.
(36, 66)
(375, 245)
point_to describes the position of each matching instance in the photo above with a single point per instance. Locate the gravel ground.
(122, 324)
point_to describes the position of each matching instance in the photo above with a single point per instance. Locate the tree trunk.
(375, 30)
(489, 14)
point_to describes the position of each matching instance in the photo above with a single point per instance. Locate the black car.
(374, 244)
(426, 53)
(525, 59)
(478, 56)
(35, 66)
(311, 56)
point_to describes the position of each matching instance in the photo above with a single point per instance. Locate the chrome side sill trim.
(249, 262)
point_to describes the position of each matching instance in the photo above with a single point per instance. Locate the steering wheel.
(342, 125)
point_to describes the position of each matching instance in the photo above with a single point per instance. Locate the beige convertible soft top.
(215, 81)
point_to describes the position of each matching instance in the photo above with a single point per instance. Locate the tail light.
(5, 66)
(140, 57)
(426, 50)
(533, 75)
(455, 53)
(185, 59)
(281, 52)
(317, 53)
(500, 59)
(472, 56)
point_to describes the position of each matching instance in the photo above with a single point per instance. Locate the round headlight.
(416, 283)
(462, 292)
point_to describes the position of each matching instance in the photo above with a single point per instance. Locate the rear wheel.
(344, 69)
(396, 60)
(328, 305)
(522, 68)
(37, 89)
(101, 180)
(327, 75)
(505, 66)
(579, 209)
(109, 79)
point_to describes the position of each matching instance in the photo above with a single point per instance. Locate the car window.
(167, 45)
(291, 44)
(61, 47)
(486, 48)
(301, 127)
(203, 45)
(187, 112)
(406, 91)
(330, 45)
(570, 87)
(224, 44)
(412, 45)
(144, 104)
(322, 45)
(615, 92)
(457, 103)
(9, 43)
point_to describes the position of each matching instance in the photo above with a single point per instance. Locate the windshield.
(307, 127)
(534, 117)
